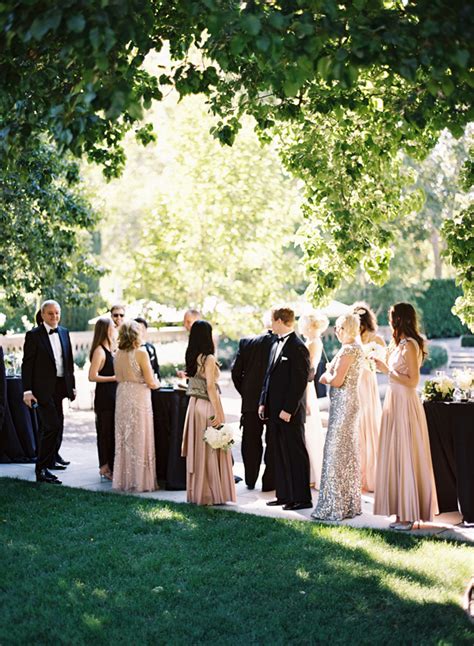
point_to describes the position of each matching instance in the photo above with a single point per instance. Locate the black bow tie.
(54, 331)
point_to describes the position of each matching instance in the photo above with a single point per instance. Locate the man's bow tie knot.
(54, 331)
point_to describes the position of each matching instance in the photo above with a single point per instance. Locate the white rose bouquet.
(373, 351)
(221, 437)
(464, 379)
(438, 389)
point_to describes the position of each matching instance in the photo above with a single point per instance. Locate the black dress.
(104, 407)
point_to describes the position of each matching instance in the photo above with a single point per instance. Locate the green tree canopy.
(365, 79)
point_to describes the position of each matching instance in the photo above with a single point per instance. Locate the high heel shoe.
(105, 473)
(403, 527)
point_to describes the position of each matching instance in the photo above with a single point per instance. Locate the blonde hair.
(315, 322)
(350, 323)
(285, 314)
(129, 336)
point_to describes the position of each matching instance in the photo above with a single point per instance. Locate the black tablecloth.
(169, 412)
(451, 431)
(19, 431)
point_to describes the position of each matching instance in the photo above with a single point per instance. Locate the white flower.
(219, 438)
(464, 378)
(372, 350)
(443, 384)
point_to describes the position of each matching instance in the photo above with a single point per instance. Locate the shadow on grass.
(124, 569)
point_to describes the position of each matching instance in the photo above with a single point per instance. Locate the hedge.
(435, 305)
(437, 357)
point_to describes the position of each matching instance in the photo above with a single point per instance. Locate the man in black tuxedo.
(48, 377)
(248, 371)
(149, 347)
(283, 403)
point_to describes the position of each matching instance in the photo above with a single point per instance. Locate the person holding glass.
(404, 483)
(340, 494)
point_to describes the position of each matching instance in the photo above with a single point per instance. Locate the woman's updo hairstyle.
(368, 320)
(349, 323)
(129, 336)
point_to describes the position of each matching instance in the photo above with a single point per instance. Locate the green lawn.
(94, 568)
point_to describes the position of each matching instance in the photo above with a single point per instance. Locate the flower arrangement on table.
(373, 350)
(221, 437)
(438, 389)
(464, 381)
(13, 361)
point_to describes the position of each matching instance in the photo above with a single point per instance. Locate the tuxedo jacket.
(249, 367)
(284, 386)
(38, 370)
(155, 366)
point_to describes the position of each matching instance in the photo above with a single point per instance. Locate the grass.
(79, 567)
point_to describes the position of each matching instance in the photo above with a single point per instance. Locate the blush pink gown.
(209, 477)
(404, 483)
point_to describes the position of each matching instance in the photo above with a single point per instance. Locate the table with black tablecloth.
(451, 431)
(169, 412)
(19, 431)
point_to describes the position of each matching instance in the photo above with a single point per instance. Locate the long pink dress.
(404, 483)
(370, 415)
(134, 463)
(209, 477)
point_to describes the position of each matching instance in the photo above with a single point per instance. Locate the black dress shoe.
(298, 505)
(45, 476)
(251, 487)
(60, 460)
(275, 503)
(237, 479)
(57, 467)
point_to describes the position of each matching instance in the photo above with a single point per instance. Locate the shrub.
(467, 341)
(168, 370)
(227, 351)
(81, 357)
(435, 304)
(437, 357)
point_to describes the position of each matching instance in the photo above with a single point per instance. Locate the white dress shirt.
(280, 345)
(57, 350)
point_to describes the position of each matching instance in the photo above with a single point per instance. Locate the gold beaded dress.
(339, 494)
(134, 464)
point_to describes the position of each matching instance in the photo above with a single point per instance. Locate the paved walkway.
(79, 446)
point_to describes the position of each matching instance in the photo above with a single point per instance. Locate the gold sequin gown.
(404, 483)
(340, 495)
(134, 464)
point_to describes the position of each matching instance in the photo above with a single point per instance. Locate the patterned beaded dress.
(134, 464)
(339, 495)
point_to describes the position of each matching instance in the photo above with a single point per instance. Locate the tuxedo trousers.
(291, 462)
(252, 451)
(51, 424)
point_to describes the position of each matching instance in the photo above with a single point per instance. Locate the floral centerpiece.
(438, 389)
(464, 380)
(373, 350)
(221, 437)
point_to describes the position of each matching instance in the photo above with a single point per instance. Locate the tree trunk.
(438, 265)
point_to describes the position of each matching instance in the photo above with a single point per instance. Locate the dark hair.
(101, 333)
(402, 317)
(38, 318)
(368, 320)
(141, 320)
(200, 342)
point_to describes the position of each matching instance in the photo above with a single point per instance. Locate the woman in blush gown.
(134, 464)
(404, 483)
(370, 406)
(209, 477)
(312, 326)
(101, 371)
(339, 494)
